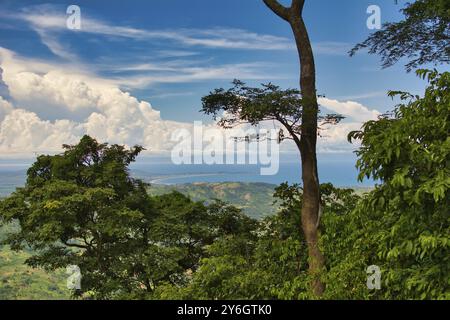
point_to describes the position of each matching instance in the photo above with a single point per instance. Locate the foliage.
(423, 36)
(81, 207)
(17, 281)
(270, 263)
(402, 225)
(298, 113)
(405, 222)
(243, 104)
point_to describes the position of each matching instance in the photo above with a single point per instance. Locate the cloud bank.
(55, 107)
(45, 105)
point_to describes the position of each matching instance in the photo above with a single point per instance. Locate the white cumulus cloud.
(48, 105)
(351, 109)
(55, 107)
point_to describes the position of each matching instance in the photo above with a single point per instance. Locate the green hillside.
(255, 199)
(18, 281)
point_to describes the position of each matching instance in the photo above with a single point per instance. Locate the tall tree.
(244, 104)
(83, 208)
(307, 144)
(297, 111)
(423, 36)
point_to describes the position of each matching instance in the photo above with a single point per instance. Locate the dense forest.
(82, 207)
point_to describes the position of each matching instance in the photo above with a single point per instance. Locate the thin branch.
(290, 130)
(278, 8)
(75, 245)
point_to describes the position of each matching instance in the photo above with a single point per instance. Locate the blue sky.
(172, 52)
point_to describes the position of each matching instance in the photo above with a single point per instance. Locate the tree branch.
(278, 8)
(291, 131)
(297, 6)
(75, 245)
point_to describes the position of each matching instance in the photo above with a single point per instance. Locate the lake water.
(338, 169)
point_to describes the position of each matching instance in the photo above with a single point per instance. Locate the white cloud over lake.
(48, 105)
(55, 107)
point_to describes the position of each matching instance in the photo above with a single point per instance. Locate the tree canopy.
(82, 208)
(404, 222)
(422, 37)
(243, 104)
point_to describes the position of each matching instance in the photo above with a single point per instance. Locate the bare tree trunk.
(308, 139)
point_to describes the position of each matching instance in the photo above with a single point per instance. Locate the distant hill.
(18, 281)
(255, 199)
